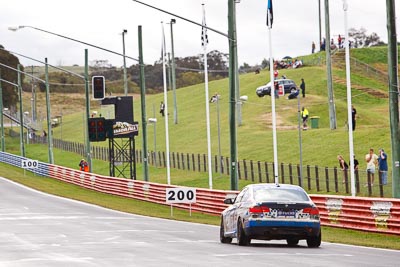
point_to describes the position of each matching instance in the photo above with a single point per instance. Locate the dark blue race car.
(271, 211)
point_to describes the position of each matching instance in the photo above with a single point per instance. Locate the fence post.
(173, 160)
(252, 170)
(222, 165)
(245, 169)
(228, 170)
(317, 178)
(188, 161)
(238, 170)
(327, 179)
(298, 176)
(346, 180)
(193, 162)
(198, 162)
(266, 171)
(290, 173)
(380, 184)
(308, 177)
(183, 161)
(259, 171)
(216, 163)
(335, 176)
(357, 180)
(205, 162)
(369, 184)
(283, 173)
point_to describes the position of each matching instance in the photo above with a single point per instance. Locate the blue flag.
(270, 14)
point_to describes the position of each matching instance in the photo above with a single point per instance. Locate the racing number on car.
(29, 164)
(180, 195)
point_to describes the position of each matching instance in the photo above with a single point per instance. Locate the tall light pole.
(143, 106)
(124, 57)
(349, 106)
(331, 101)
(50, 132)
(21, 116)
(220, 161)
(319, 23)
(393, 95)
(173, 75)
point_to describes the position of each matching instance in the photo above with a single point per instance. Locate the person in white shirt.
(371, 159)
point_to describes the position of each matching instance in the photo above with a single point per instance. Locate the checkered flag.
(204, 36)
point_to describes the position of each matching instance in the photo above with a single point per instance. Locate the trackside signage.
(180, 195)
(29, 164)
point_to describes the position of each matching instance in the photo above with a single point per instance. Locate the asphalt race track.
(43, 230)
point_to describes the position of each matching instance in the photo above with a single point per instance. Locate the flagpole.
(271, 67)
(204, 44)
(349, 105)
(271, 63)
(165, 107)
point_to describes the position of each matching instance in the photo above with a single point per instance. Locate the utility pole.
(331, 101)
(143, 106)
(173, 75)
(124, 57)
(319, 22)
(393, 95)
(232, 93)
(21, 116)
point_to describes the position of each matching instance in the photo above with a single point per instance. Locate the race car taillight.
(259, 209)
(313, 211)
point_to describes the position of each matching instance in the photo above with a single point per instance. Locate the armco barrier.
(380, 215)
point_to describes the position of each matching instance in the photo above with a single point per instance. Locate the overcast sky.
(101, 22)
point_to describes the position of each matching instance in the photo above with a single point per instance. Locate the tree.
(264, 63)
(10, 92)
(361, 39)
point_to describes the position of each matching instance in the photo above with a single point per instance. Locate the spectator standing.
(162, 108)
(343, 166)
(304, 116)
(371, 159)
(383, 167)
(312, 48)
(303, 87)
(353, 117)
(276, 87)
(83, 165)
(339, 41)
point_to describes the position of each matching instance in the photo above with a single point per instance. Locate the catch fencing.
(380, 215)
(312, 178)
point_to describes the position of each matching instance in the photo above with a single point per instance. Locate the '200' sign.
(180, 195)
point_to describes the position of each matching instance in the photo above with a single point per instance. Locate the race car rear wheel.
(242, 238)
